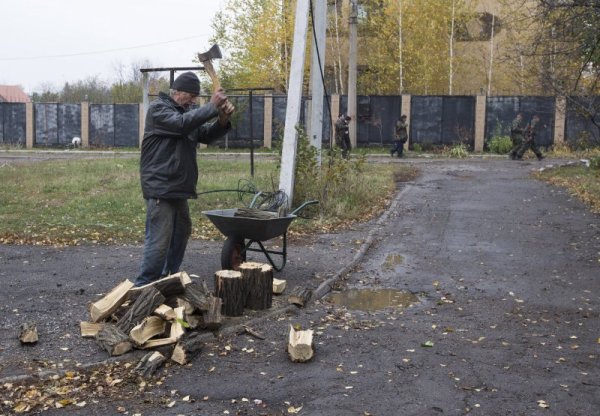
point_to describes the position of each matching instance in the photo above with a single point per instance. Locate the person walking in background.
(516, 135)
(169, 169)
(400, 136)
(342, 134)
(529, 139)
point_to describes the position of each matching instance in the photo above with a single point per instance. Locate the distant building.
(13, 94)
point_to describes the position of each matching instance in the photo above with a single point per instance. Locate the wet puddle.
(391, 261)
(370, 300)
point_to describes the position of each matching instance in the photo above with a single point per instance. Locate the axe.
(206, 59)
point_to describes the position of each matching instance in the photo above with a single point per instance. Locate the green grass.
(100, 201)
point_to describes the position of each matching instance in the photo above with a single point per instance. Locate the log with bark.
(300, 296)
(145, 304)
(198, 295)
(109, 303)
(300, 345)
(28, 333)
(149, 364)
(258, 282)
(229, 286)
(255, 213)
(113, 340)
(169, 286)
(212, 318)
(187, 348)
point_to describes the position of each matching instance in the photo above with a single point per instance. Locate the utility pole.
(319, 14)
(294, 101)
(352, 22)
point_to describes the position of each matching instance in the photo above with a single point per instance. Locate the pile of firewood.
(173, 310)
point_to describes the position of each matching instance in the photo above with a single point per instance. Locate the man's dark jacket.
(168, 166)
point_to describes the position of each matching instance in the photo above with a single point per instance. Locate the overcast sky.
(54, 41)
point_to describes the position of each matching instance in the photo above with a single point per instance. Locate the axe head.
(213, 53)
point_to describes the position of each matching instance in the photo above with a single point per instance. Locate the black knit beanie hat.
(187, 82)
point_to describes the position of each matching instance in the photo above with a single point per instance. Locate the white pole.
(294, 101)
(352, 59)
(316, 69)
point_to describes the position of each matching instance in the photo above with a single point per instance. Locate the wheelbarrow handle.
(304, 205)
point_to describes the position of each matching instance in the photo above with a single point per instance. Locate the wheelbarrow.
(248, 234)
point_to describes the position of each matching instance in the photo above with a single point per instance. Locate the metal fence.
(434, 120)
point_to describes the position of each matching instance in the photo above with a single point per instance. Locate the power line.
(68, 55)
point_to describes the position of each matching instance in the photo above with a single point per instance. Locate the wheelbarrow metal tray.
(256, 229)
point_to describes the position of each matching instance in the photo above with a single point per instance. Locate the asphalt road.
(505, 270)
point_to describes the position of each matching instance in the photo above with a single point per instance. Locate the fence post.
(85, 124)
(141, 124)
(480, 105)
(29, 125)
(268, 120)
(560, 112)
(405, 109)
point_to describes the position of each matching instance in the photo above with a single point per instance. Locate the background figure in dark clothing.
(516, 135)
(169, 170)
(342, 134)
(400, 136)
(529, 139)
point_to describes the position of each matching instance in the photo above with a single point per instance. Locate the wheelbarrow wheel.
(232, 254)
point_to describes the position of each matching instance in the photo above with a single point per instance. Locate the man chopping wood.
(169, 170)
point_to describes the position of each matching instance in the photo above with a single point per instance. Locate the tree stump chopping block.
(258, 279)
(229, 286)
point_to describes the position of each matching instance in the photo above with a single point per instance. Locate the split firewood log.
(187, 348)
(145, 304)
(28, 333)
(198, 295)
(300, 345)
(255, 213)
(150, 327)
(300, 296)
(212, 318)
(278, 286)
(149, 364)
(90, 329)
(109, 303)
(113, 340)
(169, 286)
(177, 329)
(165, 312)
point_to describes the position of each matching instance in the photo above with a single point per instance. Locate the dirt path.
(505, 269)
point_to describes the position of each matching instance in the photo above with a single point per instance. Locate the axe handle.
(210, 70)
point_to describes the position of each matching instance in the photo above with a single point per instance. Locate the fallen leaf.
(293, 409)
(427, 344)
(543, 404)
